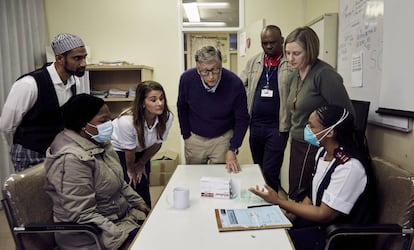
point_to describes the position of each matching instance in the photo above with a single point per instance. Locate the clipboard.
(253, 218)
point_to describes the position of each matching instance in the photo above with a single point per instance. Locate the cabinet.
(123, 77)
(225, 42)
(326, 27)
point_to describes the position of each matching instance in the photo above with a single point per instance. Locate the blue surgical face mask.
(104, 132)
(310, 137)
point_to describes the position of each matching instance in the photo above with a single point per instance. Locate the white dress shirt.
(23, 96)
(348, 181)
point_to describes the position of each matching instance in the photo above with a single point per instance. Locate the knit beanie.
(64, 42)
(79, 110)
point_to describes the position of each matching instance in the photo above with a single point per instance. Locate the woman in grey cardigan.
(314, 84)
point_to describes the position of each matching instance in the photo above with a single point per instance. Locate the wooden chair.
(28, 209)
(394, 227)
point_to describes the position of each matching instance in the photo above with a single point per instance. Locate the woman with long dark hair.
(139, 132)
(342, 188)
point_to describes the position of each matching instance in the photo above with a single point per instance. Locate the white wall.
(316, 8)
(287, 15)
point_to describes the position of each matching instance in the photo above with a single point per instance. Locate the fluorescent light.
(213, 5)
(214, 24)
(191, 10)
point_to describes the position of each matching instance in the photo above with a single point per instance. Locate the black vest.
(44, 120)
(362, 212)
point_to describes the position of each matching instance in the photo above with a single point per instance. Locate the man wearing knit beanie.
(31, 115)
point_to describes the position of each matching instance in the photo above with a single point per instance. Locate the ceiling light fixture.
(210, 24)
(191, 10)
(213, 5)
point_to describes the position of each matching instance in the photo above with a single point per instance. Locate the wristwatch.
(235, 150)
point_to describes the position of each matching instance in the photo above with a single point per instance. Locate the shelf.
(99, 67)
(118, 99)
(121, 77)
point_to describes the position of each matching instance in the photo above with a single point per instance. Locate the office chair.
(361, 118)
(28, 209)
(394, 226)
(361, 114)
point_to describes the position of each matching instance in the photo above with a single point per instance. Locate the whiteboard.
(397, 90)
(361, 34)
(362, 53)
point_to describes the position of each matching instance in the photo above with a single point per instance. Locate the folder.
(252, 218)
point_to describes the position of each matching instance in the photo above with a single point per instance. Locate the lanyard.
(267, 75)
(268, 68)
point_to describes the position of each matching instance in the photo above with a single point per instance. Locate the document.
(260, 217)
(117, 93)
(357, 72)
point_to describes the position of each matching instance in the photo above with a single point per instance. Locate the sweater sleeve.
(183, 108)
(20, 100)
(241, 117)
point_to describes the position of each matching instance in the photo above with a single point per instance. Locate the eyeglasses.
(214, 71)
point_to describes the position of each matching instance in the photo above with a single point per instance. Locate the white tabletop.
(196, 227)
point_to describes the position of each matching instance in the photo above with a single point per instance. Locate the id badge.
(266, 93)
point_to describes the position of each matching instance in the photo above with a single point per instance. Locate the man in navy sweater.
(212, 111)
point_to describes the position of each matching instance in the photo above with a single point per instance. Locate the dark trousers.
(267, 145)
(141, 188)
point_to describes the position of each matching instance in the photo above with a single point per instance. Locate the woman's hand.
(144, 208)
(135, 174)
(269, 195)
(140, 171)
(133, 178)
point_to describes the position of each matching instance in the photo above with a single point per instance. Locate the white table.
(195, 228)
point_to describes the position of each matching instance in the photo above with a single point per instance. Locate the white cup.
(181, 198)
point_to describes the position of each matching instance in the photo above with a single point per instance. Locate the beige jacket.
(250, 77)
(85, 182)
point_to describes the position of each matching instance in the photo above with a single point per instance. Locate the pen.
(263, 205)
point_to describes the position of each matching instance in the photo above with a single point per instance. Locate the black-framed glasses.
(214, 71)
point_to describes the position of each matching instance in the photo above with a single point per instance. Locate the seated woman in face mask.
(342, 184)
(85, 180)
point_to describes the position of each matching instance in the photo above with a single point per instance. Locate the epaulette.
(341, 156)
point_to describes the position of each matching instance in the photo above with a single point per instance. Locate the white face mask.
(104, 131)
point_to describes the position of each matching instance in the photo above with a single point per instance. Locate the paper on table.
(248, 198)
(357, 72)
